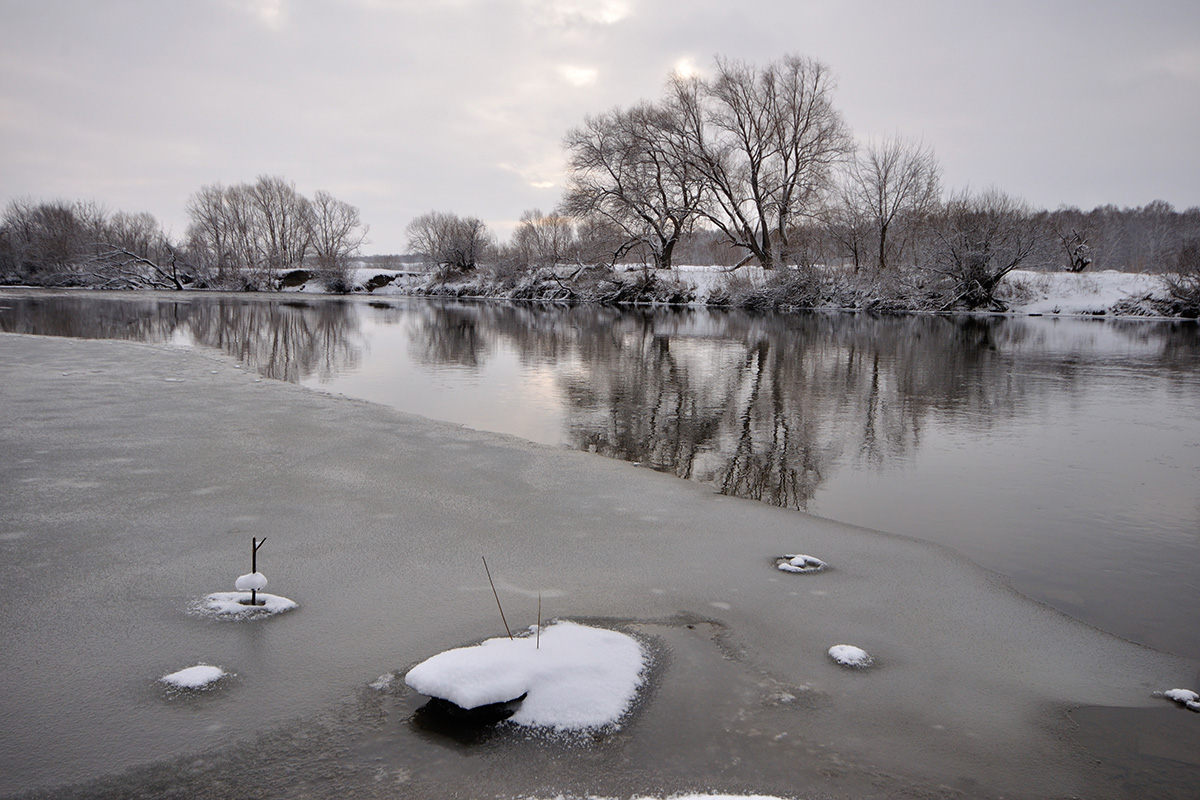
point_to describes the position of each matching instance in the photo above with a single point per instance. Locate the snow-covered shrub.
(1183, 284)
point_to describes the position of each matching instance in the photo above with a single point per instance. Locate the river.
(1061, 453)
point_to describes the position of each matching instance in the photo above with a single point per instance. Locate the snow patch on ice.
(714, 797)
(197, 677)
(850, 656)
(383, 682)
(704, 796)
(801, 564)
(578, 678)
(1184, 697)
(230, 605)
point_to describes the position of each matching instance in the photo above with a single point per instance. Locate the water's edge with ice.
(369, 511)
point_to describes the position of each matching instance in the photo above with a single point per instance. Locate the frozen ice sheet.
(377, 521)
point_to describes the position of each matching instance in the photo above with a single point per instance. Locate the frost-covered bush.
(1183, 284)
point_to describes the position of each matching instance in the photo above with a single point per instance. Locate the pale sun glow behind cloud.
(686, 68)
(578, 76)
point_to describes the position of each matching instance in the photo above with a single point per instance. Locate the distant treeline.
(753, 165)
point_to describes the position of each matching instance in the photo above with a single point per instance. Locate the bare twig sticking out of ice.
(497, 596)
(850, 656)
(200, 676)
(580, 678)
(801, 563)
(255, 578)
(1184, 697)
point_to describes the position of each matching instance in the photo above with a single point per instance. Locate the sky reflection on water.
(1063, 453)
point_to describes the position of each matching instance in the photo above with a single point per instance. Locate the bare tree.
(891, 181)
(246, 234)
(134, 252)
(544, 240)
(846, 223)
(336, 233)
(977, 240)
(50, 242)
(1077, 249)
(283, 221)
(449, 242)
(222, 236)
(598, 239)
(1183, 284)
(764, 143)
(630, 168)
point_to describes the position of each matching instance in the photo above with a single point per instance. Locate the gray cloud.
(401, 107)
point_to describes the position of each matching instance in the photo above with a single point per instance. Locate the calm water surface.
(1062, 453)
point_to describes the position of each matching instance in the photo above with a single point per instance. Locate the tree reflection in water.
(761, 406)
(281, 338)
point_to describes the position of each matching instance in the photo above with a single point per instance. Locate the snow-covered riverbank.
(1024, 292)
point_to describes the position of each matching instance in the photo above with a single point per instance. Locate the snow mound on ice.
(229, 604)
(800, 564)
(1185, 697)
(850, 656)
(197, 677)
(252, 580)
(578, 678)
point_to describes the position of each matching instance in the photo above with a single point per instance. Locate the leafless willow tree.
(45, 242)
(336, 232)
(284, 222)
(629, 167)
(226, 237)
(245, 235)
(978, 238)
(449, 242)
(1183, 283)
(889, 184)
(60, 243)
(544, 240)
(764, 143)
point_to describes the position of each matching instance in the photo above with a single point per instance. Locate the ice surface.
(850, 656)
(576, 676)
(230, 604)
(195, 677)
(251, 580)
(404, 581)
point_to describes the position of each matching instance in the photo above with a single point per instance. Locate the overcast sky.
(406, 106)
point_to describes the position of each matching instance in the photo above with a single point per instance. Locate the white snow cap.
(251, 580)
(800, 563)
(850, 656)
(580, 677)
(196, 677)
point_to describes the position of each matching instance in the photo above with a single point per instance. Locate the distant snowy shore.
(1023, 292)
